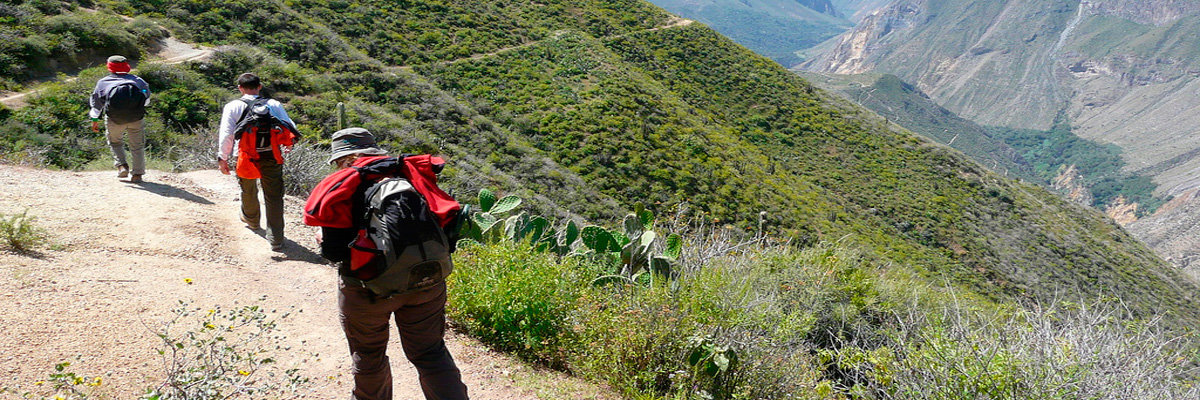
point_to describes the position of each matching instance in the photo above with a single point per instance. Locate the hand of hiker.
(95, 126)
(223, 166)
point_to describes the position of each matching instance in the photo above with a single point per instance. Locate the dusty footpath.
(123, 255)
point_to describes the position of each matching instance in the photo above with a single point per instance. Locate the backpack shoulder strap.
(245, 111)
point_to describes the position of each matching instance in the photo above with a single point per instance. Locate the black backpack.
(126, 103)
(402, 248)
(258, 116)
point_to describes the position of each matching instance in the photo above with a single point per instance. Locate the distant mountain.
(774, 28)
(1121, 71)
(908, 107)
(856, 10)
(821, 6)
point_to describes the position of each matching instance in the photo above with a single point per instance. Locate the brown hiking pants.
(421, 320)
(272, 188)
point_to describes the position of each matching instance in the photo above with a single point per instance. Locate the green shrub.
(304, 168)
(146, 31)
(21, 232)
(516, 299)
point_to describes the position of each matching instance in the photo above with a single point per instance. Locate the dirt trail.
(168, 51)
(123, 252)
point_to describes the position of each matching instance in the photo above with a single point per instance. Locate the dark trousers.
(421, 319)
(272, 188)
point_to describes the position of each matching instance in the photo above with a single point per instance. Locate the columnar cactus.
(341, 116)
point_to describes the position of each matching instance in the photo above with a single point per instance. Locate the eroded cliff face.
(1123, 72)
(989, 61)
(1122, 211)
(1174, 231)
(1069, 183)
(850, 54)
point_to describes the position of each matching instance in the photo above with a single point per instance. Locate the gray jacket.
(105, 84)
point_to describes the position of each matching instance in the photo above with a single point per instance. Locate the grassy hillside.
(587, 108)
(1035, 156)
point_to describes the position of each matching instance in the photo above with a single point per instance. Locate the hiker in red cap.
(121, 98)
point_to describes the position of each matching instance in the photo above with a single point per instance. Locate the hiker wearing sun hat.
(121, 98)
(368, 188)
(351, 143)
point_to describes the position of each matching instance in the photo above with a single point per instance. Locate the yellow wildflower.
(243, 372)
(187, 280)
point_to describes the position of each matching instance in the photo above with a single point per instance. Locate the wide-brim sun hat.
(353, 141)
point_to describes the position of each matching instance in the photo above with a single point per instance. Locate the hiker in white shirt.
(260, 153)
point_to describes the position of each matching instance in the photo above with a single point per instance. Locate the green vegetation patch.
(1100, 165)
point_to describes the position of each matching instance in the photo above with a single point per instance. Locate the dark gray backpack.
(402, 249)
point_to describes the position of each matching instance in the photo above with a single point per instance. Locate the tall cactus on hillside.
(341, 116)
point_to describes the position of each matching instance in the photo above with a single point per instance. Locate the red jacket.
(247, 153)
(330, 204)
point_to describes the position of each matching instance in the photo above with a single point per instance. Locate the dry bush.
(1067, 351)
(305, 167)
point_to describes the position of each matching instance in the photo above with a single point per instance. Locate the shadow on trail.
(292, 251)
(171, 191)
(295, 252)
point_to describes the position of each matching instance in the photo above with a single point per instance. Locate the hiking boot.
(137, 178)
(122, 171)
(277, 246)
(252, 225)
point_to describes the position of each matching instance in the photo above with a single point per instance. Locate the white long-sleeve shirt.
(229, 120)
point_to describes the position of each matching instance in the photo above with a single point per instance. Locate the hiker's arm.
(97, 102)
(225, 132)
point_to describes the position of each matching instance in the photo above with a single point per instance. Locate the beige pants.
(133, 132)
